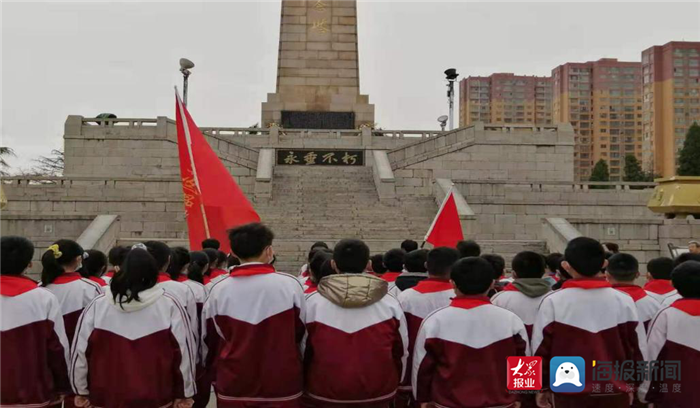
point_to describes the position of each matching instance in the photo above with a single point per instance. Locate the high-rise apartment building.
(603, 102)
(505, 98)
(671, 91)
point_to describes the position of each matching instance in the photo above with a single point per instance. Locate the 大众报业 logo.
(567, 374)
(524, 373)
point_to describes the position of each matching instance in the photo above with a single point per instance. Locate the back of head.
(660, 268)
(351, 256)
(232, 261)
(138, 273)
(322, 256)
(498, 264)
(378, 263)
(199, 266)
(553, 261)
(472, 275)
(318, 244)
(409, 245)
(440, 261)
(95, 264)
(249, 241)
(16, 254)
(179, 258)
(393, 260)
(585, 255)
(623, 267)
(612, 247)
(160, 252)
(415, 260)
(528, 264)
(684, 257)
(468, 248)
(116, 255)
(211, 243)
(213, 256)
(686, 279)
(221, 261)
(61, 254)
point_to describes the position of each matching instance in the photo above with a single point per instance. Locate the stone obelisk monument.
(318, 81)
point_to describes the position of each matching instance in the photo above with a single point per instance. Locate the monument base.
(337, 112)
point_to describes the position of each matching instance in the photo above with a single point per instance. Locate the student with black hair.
(680, 259)
(217, 267)
(163, 255)
(209, 276)
(60, 263)
(498, 263)
(94, 266)
(673, 337)
(658, 276)
(468, 248)
(622, 271)
(115, 256)
(377, 264)
(304, 271)
(254, 327)
(198, 267)
(424, 298)
(211, 243)
(136, 331)
(562, 275)
(355, 352)
(524, 295)
(316, 271)
(461, 350)
(409, 245)
(589, 319)
(415, 270)
(393, 262)
(552, 262)
(35, 348)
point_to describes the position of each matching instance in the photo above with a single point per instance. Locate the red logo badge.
(524, 373)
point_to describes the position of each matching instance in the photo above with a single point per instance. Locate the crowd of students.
(407, 328)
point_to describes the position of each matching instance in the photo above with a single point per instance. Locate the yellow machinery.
(677, 196)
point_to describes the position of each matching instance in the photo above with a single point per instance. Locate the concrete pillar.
(366, 136)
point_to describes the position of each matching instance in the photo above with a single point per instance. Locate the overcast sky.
(85, 58)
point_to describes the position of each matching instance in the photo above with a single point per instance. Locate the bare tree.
(52, 165)
(5, 152)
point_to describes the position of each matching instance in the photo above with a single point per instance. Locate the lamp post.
(451, 75)
(185, 66)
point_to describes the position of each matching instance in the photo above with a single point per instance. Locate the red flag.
(213, 201)
(446, 229)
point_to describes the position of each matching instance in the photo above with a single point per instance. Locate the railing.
(121, 122)
(24, 181)
(581, 185)
(511, 127)
(407, 134)
(235, 131)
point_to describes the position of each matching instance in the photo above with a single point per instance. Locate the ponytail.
(213, 256)
(94, 265)
(160, 252)
(179, 258)
(199, 264)
(59, 255)
(139, 272)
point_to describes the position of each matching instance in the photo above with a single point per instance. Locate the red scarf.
(311, 288)
(252, 269)
(67, 278)
(432, 285)
(390, 276)
(181, 278)
(110, 273)
(98, 280)
(470, 302)
(659, 286)
(633, 290)
(162, 277)
(690, 306)
(12, 285)
(586, 283)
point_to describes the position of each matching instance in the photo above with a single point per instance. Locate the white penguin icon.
(567, 373)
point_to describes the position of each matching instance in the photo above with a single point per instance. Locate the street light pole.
(451, 75)
(185, 66)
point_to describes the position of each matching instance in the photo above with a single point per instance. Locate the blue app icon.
(567, 374)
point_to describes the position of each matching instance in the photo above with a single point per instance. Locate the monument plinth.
(318, 81)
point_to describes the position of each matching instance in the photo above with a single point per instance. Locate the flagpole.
(186, 127)
(442, 206)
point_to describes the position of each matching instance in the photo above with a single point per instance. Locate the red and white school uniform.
(107, 277)
(354, 355)
(253, 327)
(34, 352)
(590, 319)
(671, 299)
(525, 307)
(136, 354)
(98, 280)
(660, 289)
(417, 303)
(185, 296)
(73, 293)
(390, 277)
(310, 287)
(647, 306)
(461, 353)
(673, 337)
